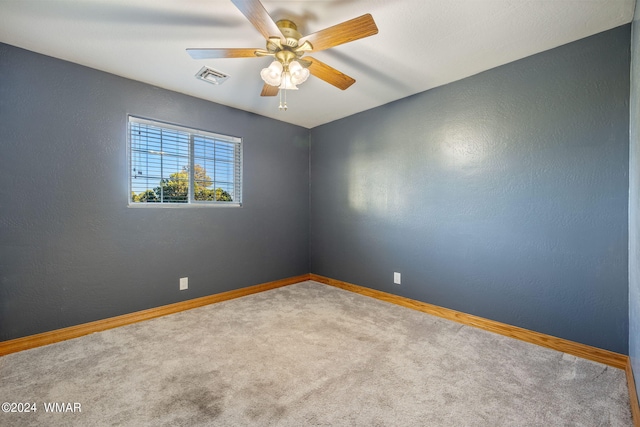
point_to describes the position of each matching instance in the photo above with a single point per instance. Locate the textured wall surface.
(71, 251)
(503, 195)
(634, 200)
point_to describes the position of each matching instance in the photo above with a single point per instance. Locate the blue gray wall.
(502, 195)
(70, 249)
(634, 201)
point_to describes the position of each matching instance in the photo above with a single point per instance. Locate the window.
(177, 166)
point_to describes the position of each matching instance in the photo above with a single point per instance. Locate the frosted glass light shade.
(273, 74)
(298, 73)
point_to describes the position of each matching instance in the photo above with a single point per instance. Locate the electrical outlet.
(396, 278)
(184, 283)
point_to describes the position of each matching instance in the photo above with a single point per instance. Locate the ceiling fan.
(288, 48)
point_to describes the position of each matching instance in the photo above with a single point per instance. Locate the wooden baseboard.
(607, 357)
(633, 395)
(38, 340)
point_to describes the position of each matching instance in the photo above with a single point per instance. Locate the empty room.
(325, 213)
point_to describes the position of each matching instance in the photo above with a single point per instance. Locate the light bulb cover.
(273, 74)
(299, 74)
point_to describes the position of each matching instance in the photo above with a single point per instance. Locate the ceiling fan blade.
(255, 12)
(348, 31)
(268, 90)
(222, 53)
(329, 74)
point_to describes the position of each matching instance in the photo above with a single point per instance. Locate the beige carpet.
(309, 355)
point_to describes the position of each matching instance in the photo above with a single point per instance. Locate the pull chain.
(285, 100)
(284, 107)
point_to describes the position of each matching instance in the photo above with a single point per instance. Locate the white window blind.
(173, 165)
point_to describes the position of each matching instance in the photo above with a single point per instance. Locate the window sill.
(182, 205)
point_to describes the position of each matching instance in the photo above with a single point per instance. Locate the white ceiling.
(421, 44)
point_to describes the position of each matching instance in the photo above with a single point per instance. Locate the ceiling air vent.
(211, 76)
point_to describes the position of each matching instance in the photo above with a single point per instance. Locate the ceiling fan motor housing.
(290, 32)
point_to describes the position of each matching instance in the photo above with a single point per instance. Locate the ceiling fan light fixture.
(273, 74)
(284, 77)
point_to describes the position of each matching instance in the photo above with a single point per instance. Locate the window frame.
(193, 133)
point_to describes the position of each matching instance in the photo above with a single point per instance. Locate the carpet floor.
(308, 355)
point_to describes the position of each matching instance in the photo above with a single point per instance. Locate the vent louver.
(212, 76)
